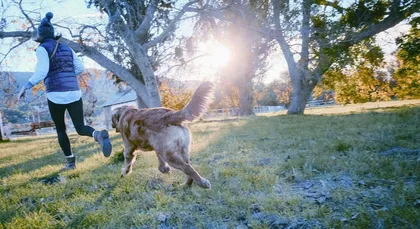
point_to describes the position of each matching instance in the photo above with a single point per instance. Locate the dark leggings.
(75, 110)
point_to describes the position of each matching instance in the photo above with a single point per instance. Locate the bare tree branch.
(170, 27)
(288, 55)
(305, 31)
(67, 28)
(147, 21)
(15, 34)
(184, 63)
(12, 48)
(25, 14)
(82, 29)
(115, 18)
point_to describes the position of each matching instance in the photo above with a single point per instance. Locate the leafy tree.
(14, 116)
(227, 95)
(265, 95)
(274, 94)
(283, 91)
(7, 88)
(362, 81)
(407, 75)
(174, 97)
(248, 47)
(325, 31)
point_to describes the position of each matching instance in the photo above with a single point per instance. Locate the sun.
(217, 55)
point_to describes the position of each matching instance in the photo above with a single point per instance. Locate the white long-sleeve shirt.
(41, 71)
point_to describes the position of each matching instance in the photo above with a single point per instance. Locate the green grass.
(303, 171)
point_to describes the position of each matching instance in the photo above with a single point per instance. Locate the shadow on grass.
(78, 220)
(84, 152)
(51, 159)
(53, 179)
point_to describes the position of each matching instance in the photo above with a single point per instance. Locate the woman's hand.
(21, 94)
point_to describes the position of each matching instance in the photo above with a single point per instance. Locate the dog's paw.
(164, 169)
(205, 183)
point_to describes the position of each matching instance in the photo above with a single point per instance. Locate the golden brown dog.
(163, 130)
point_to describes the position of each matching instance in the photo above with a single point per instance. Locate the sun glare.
(218, 54)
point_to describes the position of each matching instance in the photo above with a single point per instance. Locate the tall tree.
(360, 79)
(324, 31)
(133, 34)
(407, 75)
(248, 47)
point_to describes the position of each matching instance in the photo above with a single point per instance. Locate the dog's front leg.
(129, 159)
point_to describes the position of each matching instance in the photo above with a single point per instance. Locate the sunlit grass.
(314, 171)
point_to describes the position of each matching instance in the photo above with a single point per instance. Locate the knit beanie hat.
(46, 29)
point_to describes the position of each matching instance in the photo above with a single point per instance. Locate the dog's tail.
(197, 106)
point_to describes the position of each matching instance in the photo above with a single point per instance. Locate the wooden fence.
(230, 112)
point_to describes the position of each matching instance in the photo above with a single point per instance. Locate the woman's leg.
(57, 115)
(76, 114)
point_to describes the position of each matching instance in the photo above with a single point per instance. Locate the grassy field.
(357, 170)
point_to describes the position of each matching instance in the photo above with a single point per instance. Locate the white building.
(127, 98)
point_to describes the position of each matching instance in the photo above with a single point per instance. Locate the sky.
(63, 10)
(66, 11)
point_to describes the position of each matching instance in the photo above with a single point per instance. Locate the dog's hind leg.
(186, 156)
(176, 161)
(129, 159)
(163, 166)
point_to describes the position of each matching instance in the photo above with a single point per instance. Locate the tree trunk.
(121, 72)
(301, 90)
(140, 103)
(142, 60)
(1, 128)
(246, 101)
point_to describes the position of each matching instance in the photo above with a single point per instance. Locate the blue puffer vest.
(61, 75)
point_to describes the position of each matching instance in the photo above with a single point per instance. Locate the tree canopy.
(407, 75)
(326, 31)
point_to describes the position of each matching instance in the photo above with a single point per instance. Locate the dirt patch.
(343, 193)
(275, 221)
(52, 179)
(318, 189)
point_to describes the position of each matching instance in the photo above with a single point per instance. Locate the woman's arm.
(41, 69)
(78, 64)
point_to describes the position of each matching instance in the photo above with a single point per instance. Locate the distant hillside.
(102, 87)
(12, 82)
(20, 79)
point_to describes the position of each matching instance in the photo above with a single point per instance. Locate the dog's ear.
(116, 113)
